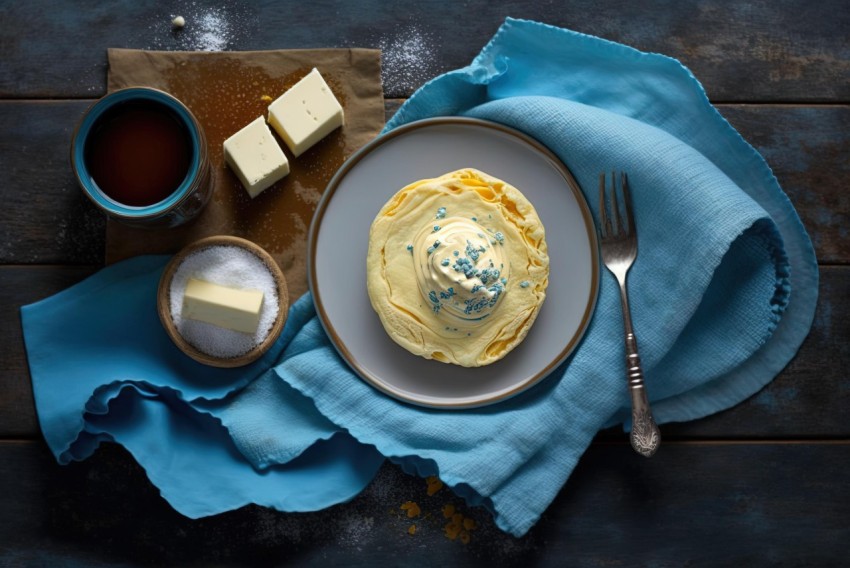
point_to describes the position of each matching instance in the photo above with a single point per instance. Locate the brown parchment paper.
(225, 90)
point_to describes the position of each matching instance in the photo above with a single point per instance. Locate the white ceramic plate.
(339, 238)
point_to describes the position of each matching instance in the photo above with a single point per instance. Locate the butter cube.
(306, 113)
(255, 157)
(231, 308)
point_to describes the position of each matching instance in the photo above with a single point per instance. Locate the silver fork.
(619, 249)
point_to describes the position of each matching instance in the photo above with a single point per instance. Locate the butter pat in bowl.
(237, 309)
(223, 301)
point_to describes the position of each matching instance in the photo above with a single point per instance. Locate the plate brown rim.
(345, 353)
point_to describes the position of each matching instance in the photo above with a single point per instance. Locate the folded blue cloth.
(723, 293)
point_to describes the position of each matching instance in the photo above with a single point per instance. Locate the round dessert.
(457, 267)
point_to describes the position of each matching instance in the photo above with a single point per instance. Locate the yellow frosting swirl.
(460, 270)
(457, 267)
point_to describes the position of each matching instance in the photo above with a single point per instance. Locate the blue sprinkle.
(434, 247)
(456, 253)
(489, 274)
(436, 228)
(524, 284)
(441, 213)
(500, 237)
(473, 252)
(504, 280)
(465, 266)
(410, 248)
(432, 295)
(444, 262)
(475, 218)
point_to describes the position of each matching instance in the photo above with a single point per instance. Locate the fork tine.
(627, 202)
(615, 205)
(605, 226)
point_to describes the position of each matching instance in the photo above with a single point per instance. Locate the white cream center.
(461, 269)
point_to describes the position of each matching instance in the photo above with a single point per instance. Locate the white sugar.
(213, 31)
(407, 61)
(227, 266)
(203, 28)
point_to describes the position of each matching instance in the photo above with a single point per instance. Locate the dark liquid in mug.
(138, 153)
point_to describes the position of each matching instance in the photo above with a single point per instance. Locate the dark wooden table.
(764, 483)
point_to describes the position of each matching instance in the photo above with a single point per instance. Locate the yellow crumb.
(469, 524)
(412, 509)
(266, 99)
(434, 484)
(448, 510)
(411, 530)
(464, 537)
(452, 531)
(457, 518)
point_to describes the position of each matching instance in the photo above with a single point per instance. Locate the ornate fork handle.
(645, 436)
(619, 250)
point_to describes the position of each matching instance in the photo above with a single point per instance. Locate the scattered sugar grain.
(227, 266)
(407, 61)
(216, 28)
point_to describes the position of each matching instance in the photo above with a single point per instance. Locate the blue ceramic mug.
(105, 132)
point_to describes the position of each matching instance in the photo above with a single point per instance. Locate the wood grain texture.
(770, 505)
(20, 286)
(789, 50)
(45, 217)
(805, 146)
(807, 400)
(761, 484)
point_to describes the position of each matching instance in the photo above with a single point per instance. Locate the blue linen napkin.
(103, 369)
(723, 293)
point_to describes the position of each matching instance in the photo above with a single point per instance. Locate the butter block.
(255, 157)
(306, 113)
(231, 308)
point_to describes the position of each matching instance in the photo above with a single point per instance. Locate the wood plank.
(805, 145)
(692, 504)
(20, 286)
(793, 50)
(45, 217)
(808, 399)
(807, 148)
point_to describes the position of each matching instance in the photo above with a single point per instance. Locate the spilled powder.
(227, 266)
(407, 61)
(213, 31)
(205, 29)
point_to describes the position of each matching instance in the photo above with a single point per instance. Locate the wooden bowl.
(164, 302)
